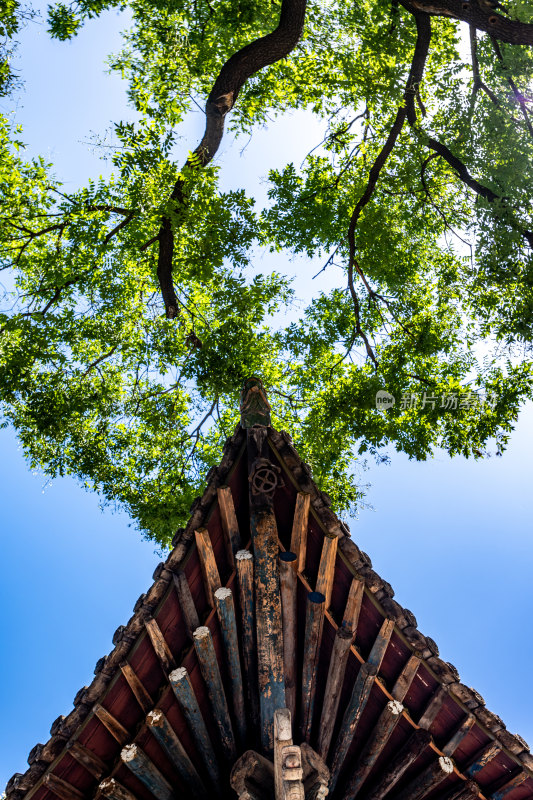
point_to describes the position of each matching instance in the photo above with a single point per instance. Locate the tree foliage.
(136, 309)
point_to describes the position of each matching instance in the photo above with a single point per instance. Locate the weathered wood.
(316, 774)
(388, 719)
(230, 526)
(252, 777)
(314, 623)
(63, 790)
(415, 745)
(288, 586)
(245, 578)
(228, 627)
(469, 790)
(205, 652)
(188, 609)
(451, 746)
(358, 700)
(141, 695)
(292, 787)
(332, 696)
(380, 645)
(432, 709)
(299, 528)
(405, 678)
(210, 572)
(162, 650)
(182, 688)
(114, 727)
(166, 736)
(326, 567)
(428, 780)
(138, 762)
(92, 763)
(268, 622)
(353, 604)
(516, 780)
(482, 758)
(282, 737)
(111, 788)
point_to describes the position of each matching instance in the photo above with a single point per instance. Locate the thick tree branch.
(236, 71)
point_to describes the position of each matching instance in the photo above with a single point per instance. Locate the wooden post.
(182, 688)
(268, 620)
(292, 773)
(114, 727)
(203, 644)
(141, 695)
(433, 708)
(428, 780)
(332, 696)
(245, 578)
(353, 604)
(228, 627)
(288, 584)
(389, 718)
(314, 622)
(451, 746)
(405, 678)
(61, 788)
(415, 745)
(162, 650)
(282, 737)
(87, 758)
(230, 525)
(188, 609)
(482, 758)
(516, 780)
(212, 580)
(326, 567)
(138, 762)
(299, 528)
(358, 700)
(469, 790)
(380, 645)
(165, 735)
(111, 788)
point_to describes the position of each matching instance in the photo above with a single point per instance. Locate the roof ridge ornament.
(255, 408)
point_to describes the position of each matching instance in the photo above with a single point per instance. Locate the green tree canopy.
(138, 310)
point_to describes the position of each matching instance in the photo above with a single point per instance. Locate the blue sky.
(454, 538)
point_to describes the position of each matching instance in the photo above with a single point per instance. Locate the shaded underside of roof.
(132, 680)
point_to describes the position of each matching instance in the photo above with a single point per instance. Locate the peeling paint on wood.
(165, 735)
(299, 528)
(228, 627)
(245, 578)
(205, 652)
(314, 623)
(138, 762)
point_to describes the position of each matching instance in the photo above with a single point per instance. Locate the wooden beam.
(63, 790)
(92, 763)
(188, 609)
(141, 695)
(292, 773)
(210, 572)
(138, 762)
(358, 700)
(432, 709)
(166, 736)
(282, 737)
(182, 688)
(245, 578)
(428, 780)
(469, 790)
(381, 733)
(268, 622)
(405, 678)
(230, 526)
(516, 780)
(111, 788)
(326, 567)
(314, 623)
(162, 650)
(228, 627)
(299, 528)
(114, 727)
(353, 604)
(335, 680)
(205, 652)
(482, 758)
(464, 728)
(415, 745)
(288, 587)
(380, 645)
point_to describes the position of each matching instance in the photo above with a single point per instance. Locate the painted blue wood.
(138, 762)
(205, 652)
(228, 626)
(167, 738)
